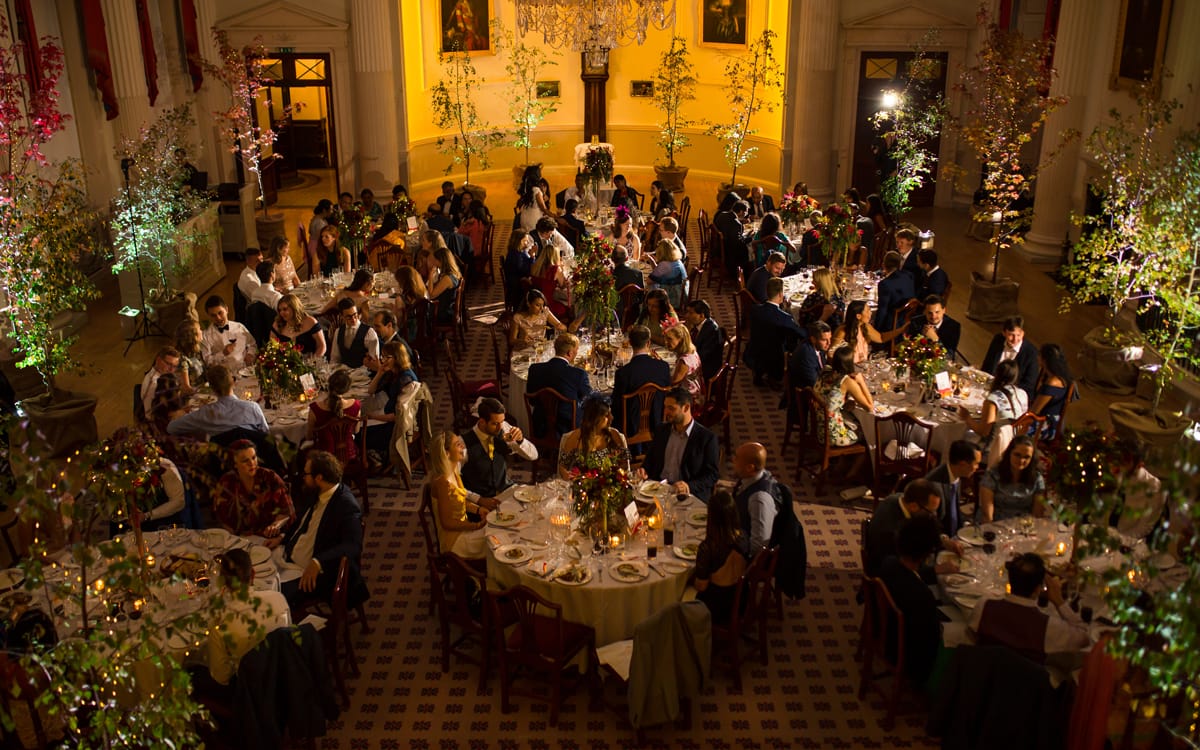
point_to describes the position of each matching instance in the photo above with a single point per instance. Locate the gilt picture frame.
(1141, 44)
(465, 26)
(723, 23)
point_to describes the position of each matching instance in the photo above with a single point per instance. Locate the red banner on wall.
(98, 60)
(27, 35)
(191, 42)
(149, 58)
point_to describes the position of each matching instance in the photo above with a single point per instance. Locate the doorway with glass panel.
(306, 146)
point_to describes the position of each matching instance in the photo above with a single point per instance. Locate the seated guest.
(906, 240)
(448, 203)
(916, 542)
(245, 617)
(560, 374)
(707, 336)
(489, 443)
(961, 462)
(935, 325)
(594, 436)
(824, 302)
(189, 341)
(442, 281)
(518, 265)
(335, 405)
(227, 413)
(248, 279)
(169, 403)
(731, 223)
(1016, 622)
(668, 229)
(252, 500)
(353, 340)
(772, 333)
(394, 376)
(441, 223)
(546, 234)
(225, 342)
(573, 193)
(573, 220)
(657, 315)
(1004, 403)
(531, 321)
(266, 292)
(643, 367)
(623, 234)
(760, 204)
(757, 494)
(330, 528)
(298, 328)
(837, 386)
(370, 208)
(474, 223)
(1011, 344)
(920, 497)
(687, 363)
(549, 277)
(1015, 487)
(333, 256)
(1053, 385)
(858, 334)
(770, 240)
(623, 275)
(683, 453)
(809, 358)
(456, 532)
(670, 275)
(359, 290)
(771, 268)
(624, 196)
(937, 281)
(894, 291)
(721, 558)
(285, 271)
(662, 201)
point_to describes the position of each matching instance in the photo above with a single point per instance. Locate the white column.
(1183, 62)
(376, 146)
(129, 72)
(1057, 185)
(212, 97)
(811, 136)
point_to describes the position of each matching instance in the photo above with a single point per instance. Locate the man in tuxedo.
(731, 224)
(936, 325)
(330, 528)
(225, 342)
(1011, 344)
(772, 269)
(489, 444)
(760, 204)
(810, 355)
(894, 291)
(575, 193)
(449, 204)
(353, 341)
(706, 337)
(772, 332)
(642, 368)
(684, 452)
(623, 275)
(962, 460)
(937, 281)
(906, 240)
(570, 381)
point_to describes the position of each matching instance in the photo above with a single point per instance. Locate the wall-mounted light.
(890, 99)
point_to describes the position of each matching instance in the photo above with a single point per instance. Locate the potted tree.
(241, 72)
(674, 86)
(1005, 105)
(755, 84)
(524, 67)
(454, 109)
(46, 225)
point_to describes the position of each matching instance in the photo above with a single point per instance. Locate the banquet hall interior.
(357, 94)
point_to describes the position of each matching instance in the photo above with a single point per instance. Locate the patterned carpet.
(805, 698)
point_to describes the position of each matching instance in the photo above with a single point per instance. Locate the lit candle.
(1061, 549)
(1008, 588)
(615, 541)
(149, 561)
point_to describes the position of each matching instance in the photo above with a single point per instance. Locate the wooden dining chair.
(631, 304)
(751, 610)
(1030, 424)
(433, 549)
(828, 451)
(464, 393)
(482, 263)
(685, 213)
(645, 397)
(693, 291)
(464, 609)
(745, 305)
(501, 351)
(717, 411)
(902, 430)
(882, 637)
(704, 231)
(419, 317)
(715, 260)
(543, 432)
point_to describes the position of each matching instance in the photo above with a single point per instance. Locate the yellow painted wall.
(632, 122)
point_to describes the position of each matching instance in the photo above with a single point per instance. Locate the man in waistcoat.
(756, 495)
(489, 443)
(353, 340)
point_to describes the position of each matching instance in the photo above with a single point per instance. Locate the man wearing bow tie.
(225, 342)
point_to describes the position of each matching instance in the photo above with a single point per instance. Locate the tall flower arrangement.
(796, 207)
(600, 489)
(592, 284)
(45, 221)
(840, 234)
(279, 368)
(598, 164)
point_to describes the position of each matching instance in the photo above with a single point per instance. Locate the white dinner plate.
(965, 600)
(503, 518)
(654, 489)
(259, 555)
(527, 494)
(216, 538)
(629, 571)
(512, 553)
(265, 570)
(685, 551)
(11, 578)
(698, 518)
(960, 580)
(573, 575)
(673, 567)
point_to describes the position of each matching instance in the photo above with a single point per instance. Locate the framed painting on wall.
(723, 23)
(548, 89)
(641, 89)
(1141, 43)
(466, 26)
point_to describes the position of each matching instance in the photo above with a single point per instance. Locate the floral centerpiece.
(592, 284)
(795, 208)
(598, 164)
(841, 235)
(1081, 477)
(922, 355)
(355, 228)
(402, 208)
(279, 368)
(601, 487)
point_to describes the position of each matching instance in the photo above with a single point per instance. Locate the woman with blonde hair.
(285, 271)
(191, 359)
(670, 274)
(687, 372)
(333, 255)
(295, 326)
(456, 533)
(825, 302)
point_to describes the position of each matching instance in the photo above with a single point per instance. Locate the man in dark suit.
(642, 369)
(937, 281)
(570, 381)
(936, 325)
(1011, 344)
(961, 462)
(772, 269)
(706, 337)
(894, 291)
(623, 274)
(731, 225)
(917, 541)
(573, 221)
(684, 452)
(772, 332)
(760, 204)
(449, 203)
(906, 241)
(920, 497)
(518, 265)
(810, 355)
(330, 528)
(574, 193)
(435, 219)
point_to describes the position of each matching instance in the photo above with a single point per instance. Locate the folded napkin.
(911, 450)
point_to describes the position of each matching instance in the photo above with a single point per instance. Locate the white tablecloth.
(317, 292)
(613, 608)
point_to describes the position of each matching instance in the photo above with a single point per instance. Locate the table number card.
(413, 224)
(631, 517)
(308, 382)
(942, 382)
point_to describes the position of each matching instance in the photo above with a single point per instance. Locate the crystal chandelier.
(593, 27)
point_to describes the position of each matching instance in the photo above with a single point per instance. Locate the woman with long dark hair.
(770, 239)
(838, 385)
(531, 321)
(1053, 385)
(721, 558)
(531, 201)
(1004, 403)
(334, 405)
(594, 436)
(658, 315)
(858, 333)
(1014, 487)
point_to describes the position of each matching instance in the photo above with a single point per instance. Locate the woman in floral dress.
(839, 385)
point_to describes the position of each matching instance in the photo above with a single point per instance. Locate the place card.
(631, 516)
(942, 382)
(413, 224)
(308, 382)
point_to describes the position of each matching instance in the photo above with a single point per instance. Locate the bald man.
(757, 494)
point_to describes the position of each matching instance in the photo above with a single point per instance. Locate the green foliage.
(146, 216)
(754, 81)
(909, 128)
(592, 284)
(674, 86)
(525, 64)
(1005, 104)
(454, 108)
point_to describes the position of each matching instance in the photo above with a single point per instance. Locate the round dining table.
(611, 592)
